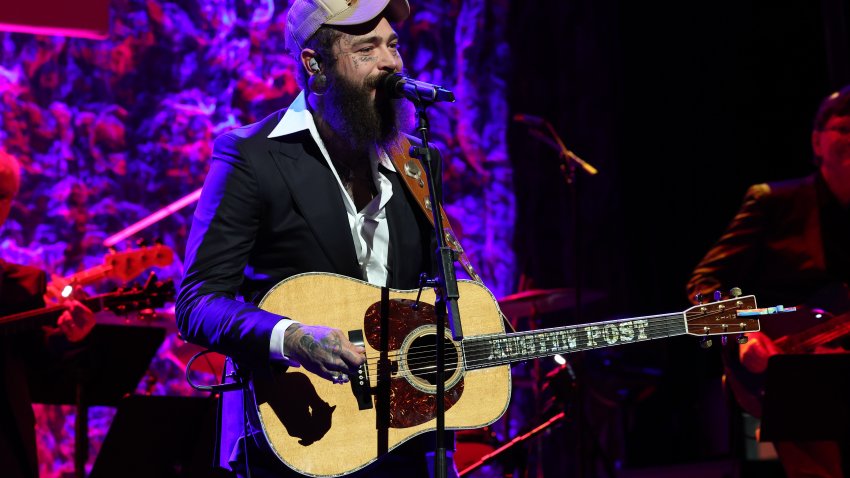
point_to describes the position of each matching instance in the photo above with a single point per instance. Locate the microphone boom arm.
(554, 142)
(569, 155)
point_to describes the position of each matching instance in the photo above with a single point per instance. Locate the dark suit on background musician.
(790, 244)
(775, 244)
(22, 289)
(307, 189)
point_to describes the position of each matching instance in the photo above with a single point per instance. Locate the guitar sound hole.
(422, 358)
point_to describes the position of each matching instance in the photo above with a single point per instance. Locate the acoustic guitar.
(321, 429)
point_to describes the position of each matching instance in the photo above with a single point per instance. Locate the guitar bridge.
(360, 383)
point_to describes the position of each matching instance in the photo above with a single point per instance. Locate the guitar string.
(480, 353)
(658, 327)
(670, 323)
(819, 339)
(476, 352)
(812, 338)
(429, 349)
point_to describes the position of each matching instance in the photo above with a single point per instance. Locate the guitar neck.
(89, 275)
(45, 315)
(820, 334)
(491, 351)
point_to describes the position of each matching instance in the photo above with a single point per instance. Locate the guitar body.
(319, 428)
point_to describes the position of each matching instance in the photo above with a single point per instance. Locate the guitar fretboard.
(490, 351)
(46, 315)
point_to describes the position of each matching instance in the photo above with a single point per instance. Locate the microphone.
(529, 119)
(554, 142)
(400, 86)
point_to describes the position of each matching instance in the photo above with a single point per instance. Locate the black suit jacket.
(270, 209)
(21, 289)
(772, 248)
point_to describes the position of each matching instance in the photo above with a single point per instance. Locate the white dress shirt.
(369, 227)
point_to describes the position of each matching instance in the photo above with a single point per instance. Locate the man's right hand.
(324, 351)
(755, 353)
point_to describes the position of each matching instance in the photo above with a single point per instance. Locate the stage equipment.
(570, 161)
(111, 364)
(807, 398)
(511, 446)
(532, 302)
(445, 284)
(400, 86)
(539, 128)
(529, 304)
(162, 437)
(562, 149)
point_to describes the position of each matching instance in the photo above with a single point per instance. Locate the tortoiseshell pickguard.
(409, 406)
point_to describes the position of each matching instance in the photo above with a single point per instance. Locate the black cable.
(237, 384)
(245, 431)
(216, 459)
(221, 387)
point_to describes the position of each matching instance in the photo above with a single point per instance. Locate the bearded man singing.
(311, 188)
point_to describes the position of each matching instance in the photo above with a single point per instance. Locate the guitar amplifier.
(807, 397)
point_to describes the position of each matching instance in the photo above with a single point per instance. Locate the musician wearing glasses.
(22, 288)
(790, 244)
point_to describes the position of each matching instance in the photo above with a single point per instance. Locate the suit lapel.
(395, 220)
(317, 195)
(406, 248)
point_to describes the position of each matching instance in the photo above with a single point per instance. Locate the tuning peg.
(742, 339)
(705, 343)
(142, 242)
(698, 297)
(735, 292)
(718, 295)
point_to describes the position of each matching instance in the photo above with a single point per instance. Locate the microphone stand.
(568, 167)
(445, 283)
(570, 163)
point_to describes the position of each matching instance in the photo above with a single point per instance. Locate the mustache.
(376, 81)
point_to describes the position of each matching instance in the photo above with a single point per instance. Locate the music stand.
(163, 437)
(111, 364)
(807, 397)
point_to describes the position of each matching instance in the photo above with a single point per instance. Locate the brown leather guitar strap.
(411, 171)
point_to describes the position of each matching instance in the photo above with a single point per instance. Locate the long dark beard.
(349, 110)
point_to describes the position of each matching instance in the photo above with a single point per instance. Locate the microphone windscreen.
(391, 85)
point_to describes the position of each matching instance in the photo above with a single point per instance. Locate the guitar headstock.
(152, 295)
(128, 265)
(723, 317)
